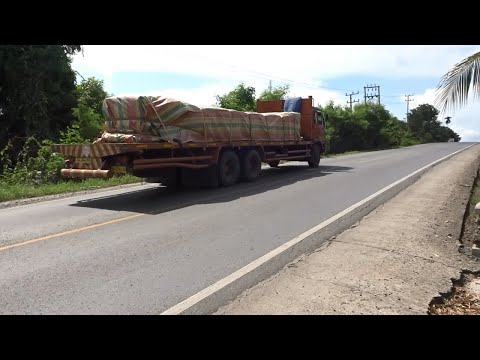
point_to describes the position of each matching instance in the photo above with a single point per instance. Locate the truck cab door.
(318, 128)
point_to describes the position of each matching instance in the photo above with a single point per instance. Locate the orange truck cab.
(313, 120)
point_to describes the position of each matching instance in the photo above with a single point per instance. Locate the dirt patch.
(463, 298)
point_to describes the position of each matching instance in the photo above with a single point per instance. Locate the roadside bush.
(34, 164)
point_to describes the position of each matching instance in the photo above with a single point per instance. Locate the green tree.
(455, 85)
(242, 98)
(277, 93)
(422, 119)
(37, 90)
(368, 126)
(88, 112)
(345, 132)
(424, 124)
(377, 117)
(72, 49)
(445, 133)
(91, 93)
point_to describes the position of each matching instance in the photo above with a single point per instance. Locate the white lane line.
(194, 299)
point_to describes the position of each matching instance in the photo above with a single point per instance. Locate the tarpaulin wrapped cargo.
(167, 119)
(126, 114)
(168, 109)
(216, 124)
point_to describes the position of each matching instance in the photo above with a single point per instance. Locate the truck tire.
(315, 156)
(251, 165)
(274, 163)
(228, 168)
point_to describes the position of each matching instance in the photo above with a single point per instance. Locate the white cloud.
(302, 63)
(466, 122)
(428, 97)
(467, 135)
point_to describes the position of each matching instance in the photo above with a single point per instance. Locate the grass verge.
(22, 191)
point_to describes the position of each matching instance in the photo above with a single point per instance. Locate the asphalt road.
(142, 251)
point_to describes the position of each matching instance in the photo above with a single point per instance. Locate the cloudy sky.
(197, 73)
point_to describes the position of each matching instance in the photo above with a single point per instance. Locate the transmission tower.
(371, 92)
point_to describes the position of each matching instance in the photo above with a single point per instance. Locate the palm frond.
(453, 89)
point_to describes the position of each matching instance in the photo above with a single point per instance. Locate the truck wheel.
(251, 165)
(228, 168)
(314, 157)
(274, 163)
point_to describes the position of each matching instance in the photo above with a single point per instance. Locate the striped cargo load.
(215, 124)
(284, 126)
(259, 127)
(166, 119)
(126, 114)
(168, 109)
(229, 125)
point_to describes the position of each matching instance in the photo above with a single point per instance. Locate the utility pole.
(407, 99)
(350, 101)
(270, 86)
(371, 91)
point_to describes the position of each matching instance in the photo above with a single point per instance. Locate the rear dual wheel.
(251, 165)
(228, 168)
(232, 168)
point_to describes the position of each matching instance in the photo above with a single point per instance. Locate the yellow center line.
(70, 232)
